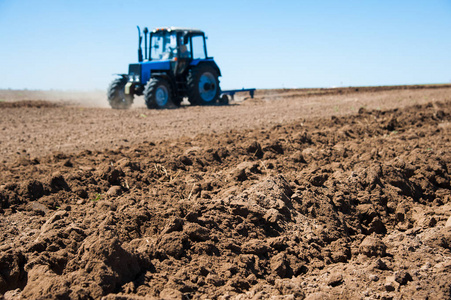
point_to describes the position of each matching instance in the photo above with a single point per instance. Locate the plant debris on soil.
(353, 206)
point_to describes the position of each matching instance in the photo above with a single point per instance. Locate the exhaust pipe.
(145, 30)
(140, 50)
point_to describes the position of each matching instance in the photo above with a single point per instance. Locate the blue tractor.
(173, 65)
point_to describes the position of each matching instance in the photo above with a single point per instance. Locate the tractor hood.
(141, 72)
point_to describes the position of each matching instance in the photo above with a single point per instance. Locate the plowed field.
(317, 194)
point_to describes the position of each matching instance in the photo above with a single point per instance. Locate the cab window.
(198, 47)
(185, 47)
(163, 46)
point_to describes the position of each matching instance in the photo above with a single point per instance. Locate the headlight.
(133, 78)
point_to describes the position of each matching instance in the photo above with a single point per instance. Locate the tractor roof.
(178, 29)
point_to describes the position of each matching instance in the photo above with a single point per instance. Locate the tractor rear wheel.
(116, 94)
(158, 94)
(203, 85)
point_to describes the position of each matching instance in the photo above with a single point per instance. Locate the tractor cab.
(174, 44)
(178, 47)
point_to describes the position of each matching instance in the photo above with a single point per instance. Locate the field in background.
(73, 122)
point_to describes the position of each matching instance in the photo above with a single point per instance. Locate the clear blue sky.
(56, 44)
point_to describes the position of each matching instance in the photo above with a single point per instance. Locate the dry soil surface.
(316, 194)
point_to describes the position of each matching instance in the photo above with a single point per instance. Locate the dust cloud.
(94, 98)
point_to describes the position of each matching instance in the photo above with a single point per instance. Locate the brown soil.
(291, 195)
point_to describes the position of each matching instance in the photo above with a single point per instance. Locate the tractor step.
(181, 87)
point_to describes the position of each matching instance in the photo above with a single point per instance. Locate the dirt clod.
(372, 246)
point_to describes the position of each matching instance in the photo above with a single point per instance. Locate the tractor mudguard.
(208, 61)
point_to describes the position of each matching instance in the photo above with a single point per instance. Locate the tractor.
(173, 65)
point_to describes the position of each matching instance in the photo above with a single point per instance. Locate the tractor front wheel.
(203, 85)
(116, 94)
(158, 94)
